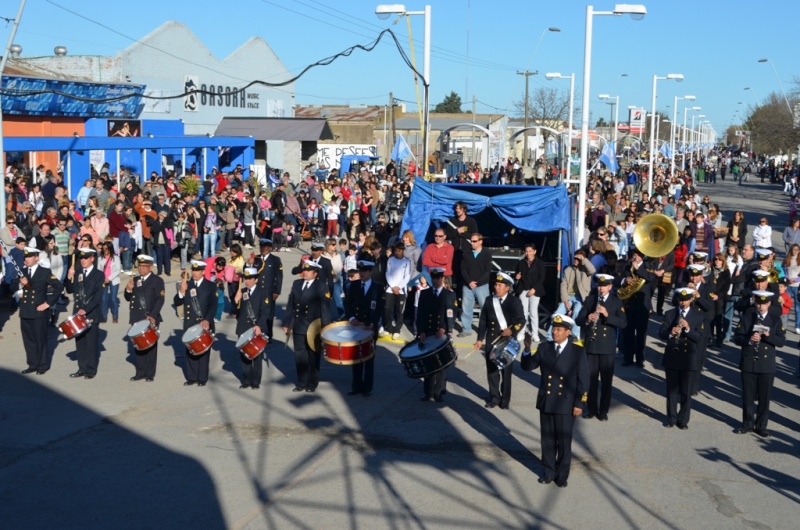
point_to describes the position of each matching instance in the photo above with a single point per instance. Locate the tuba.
(655, 235)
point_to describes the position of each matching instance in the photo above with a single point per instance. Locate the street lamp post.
(679, 78)
(385, 11)
(637, 11)
(788, 106)
(683, 141)
(568, 150)
(673, 130)
(527, 74)
(616, 113)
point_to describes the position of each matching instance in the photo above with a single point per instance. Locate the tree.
(601, 123)
(451, 104)
(771, 127)
(545, 106)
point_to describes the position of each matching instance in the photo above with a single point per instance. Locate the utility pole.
(527, 74)
(391, 117)
(472, 131)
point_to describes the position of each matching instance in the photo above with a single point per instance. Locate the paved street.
(109, 453)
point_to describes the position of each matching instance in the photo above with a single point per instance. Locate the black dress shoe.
(587, 415)
(41, 372)
(149, 379)
(77, 374)
(255, 387)
(683, 426)
(137, 378)
(189, 383)
(298, 389)
(668, 424)
(310, 389)
(602, 417)
(201, 383)
(762, 433)
(366, 394)
(89, 376)
(626, 363)
(426, 398)
(742, 430)
(28, 370)
(504, 407)
(561, 484)
(545, 480)
(490, 405)
(244, 386)
(640, 365)
(439, 398)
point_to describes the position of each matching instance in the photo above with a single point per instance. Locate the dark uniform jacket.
(435, 312)
(565, 377)
(364, 308)
(643, 298)
(683, 352)
(304, 307)
(325, 274)
(665, 263)
(489, 329)
(253, 309)
(43, 287)
(146, 299)
(601, 337)
(704, 303)
(759, 359)
(746, 300)
(199, 303)
(532, 277)
(270, 280)
(88, 290)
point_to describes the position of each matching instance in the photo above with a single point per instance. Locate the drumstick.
(478, 349)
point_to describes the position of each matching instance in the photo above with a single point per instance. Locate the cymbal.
(312, 332)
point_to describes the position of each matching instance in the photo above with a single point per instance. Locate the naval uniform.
(757, 364)
(270, 282)
(253, 309)
(199, 303)
(88, 289)
(146, 300)
(437, 309)
(306, 304)
(681, 361)
(637, 309)
(565, 380)
(42, 287)
(363, 303)
(706, 305)
(489, 328)
(600, 339)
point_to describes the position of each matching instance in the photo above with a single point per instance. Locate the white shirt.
(560, 346)
(398, 273)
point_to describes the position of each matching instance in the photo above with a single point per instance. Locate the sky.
(477, 47)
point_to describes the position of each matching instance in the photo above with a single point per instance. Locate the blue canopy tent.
(348, 161)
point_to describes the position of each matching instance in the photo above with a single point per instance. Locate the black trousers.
(34, 337)
(393, 307)
(87, 350)
(679, 395)
(146, 361)
(363, 376)
(251, 369)
(661, 294)
(702, 356)
(306, 362)
(602, 366)
(499, 393)
(635, 334)
(756, 387)
(556, 444)
(436, 385)
(197, 366)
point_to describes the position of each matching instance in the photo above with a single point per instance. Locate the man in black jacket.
(683, 329)
(436, 317)
(759, 333)
(637, 309)
(309, 300)
(476, 271)
(501, 316)
(199, 299)
(270, 282)
(85, 281)
(254, 306)
(705, 302)
(325, 266)
(561, 398)
(601, 316)
(530, 288)
(146, 296)
(363, 305)
(38, 290)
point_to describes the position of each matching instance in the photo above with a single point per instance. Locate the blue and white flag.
(608, 156)
(401, 150)
(666, 150)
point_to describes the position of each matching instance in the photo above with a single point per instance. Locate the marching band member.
(198, 297)
(86, 282)
(436, 316)
(270, 282)
(146, 296)
(501, 316)
(34, 304)
(683, 329)
(309, 300)
(637, 309)
(562, 394)
(363, 306)
(253, 307)
(601, 316)
(705, 296)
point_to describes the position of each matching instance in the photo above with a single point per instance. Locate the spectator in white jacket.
(398, 274)
(762, 234)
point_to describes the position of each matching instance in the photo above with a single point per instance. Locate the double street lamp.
(683, 141)
(674, 129)
(616, 113)
(568, 150)
(678, 78)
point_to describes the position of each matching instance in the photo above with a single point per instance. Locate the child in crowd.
(786, 301)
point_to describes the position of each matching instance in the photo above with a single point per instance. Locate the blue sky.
(477, 46)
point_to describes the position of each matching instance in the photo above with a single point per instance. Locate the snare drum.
(344, 343)
(73, 326)
(143, 335)
(251, 344)
(197, 339)
(425, 359)
(505, 351)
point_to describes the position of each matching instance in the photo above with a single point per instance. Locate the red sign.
(622, 127)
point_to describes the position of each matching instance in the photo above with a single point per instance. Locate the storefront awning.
(286, 129)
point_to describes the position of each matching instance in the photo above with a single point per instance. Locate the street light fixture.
(673, 130)
(568, 151)
(683, 141)
(674, 77)
(637, 12)
(383, 12)
(788, 106)
(616, 113)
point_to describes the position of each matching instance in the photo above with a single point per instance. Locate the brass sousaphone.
(655, 235)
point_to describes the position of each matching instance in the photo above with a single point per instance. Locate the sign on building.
(636, 120)
(331, 154)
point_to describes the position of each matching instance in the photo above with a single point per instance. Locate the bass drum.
(425, 359)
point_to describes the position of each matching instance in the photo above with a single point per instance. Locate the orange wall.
(39, 126)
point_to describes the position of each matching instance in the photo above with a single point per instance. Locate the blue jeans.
(110, 300)
(220, 303)
(163, 262)
(468, 298)
(209, 244)
(575, 303)
(727, 318)
(793, 293)
(127, 261)
(338, 301)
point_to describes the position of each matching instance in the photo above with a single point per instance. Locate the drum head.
(501, 344)
(192, 333)
(346, 333)
(244, 338)
(138, 328)
(415, 348)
